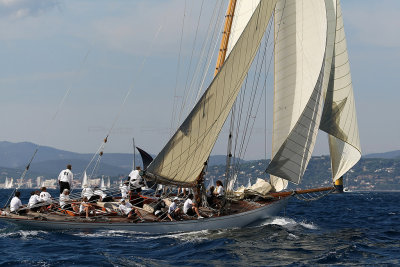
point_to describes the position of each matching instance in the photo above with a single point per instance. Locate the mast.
(225, 35)
(220, 61)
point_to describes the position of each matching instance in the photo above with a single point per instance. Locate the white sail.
(339, 118)
(182, 159)
(11, 183)
(85, 180)
(244, 9)
(102, 186)
(108, 182)
(249, 183)
(6, 183)
(300, 47)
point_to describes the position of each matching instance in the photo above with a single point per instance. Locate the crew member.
(189, 208)
(65, 179)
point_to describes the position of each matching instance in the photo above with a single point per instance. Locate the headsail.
(339, 118)
(182, 159)
(300, 52)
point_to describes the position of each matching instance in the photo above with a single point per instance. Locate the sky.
(72, 72)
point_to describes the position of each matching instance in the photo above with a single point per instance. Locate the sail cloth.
(244, 9)
(146, 157)
(300, 47)
(182, 159)
(339, 118)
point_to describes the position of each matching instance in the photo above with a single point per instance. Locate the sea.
(354, 228)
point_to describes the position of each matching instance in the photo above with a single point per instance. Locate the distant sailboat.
(10, 183)
(85, 181)
(102, 185)
(249, 183)
(108, 182)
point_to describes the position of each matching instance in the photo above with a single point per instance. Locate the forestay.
(182, 159)
(339, 118)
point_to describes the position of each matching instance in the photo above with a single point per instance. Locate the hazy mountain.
(386, 155)
(49, 161)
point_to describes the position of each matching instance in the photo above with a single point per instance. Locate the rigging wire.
(178, 70)
(47, 126)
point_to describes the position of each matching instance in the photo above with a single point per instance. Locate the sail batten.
(182, 159)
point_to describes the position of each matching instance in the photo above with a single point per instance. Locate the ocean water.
(360, 228)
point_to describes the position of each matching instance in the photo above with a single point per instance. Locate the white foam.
(309, 226)
(24, 234)
(289, 223)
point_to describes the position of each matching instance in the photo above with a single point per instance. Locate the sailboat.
(6, 182)
(85, 181)
(102, 184)
(312, 91)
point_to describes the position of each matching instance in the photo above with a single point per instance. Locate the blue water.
(347, 229)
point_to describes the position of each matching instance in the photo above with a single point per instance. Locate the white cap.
(175, 198)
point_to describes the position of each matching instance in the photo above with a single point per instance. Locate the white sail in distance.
(102, 186)
(339, 118)
(300, 49)
(85, 180)
(182, 159)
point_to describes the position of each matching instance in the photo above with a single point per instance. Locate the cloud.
(24, 8)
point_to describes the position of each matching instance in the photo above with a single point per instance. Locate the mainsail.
(339, 118)
(300, 52)
(182, 159)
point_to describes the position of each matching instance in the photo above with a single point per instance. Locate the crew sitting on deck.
(16, 204)
(101, 196)
(159, 209)
(65, 202)
(87, 192)
(86, 207)
(34, 201)
(219, 191)
(126, 208)
(45, 196)
(189, 208)
(135, 180)
(173, 210)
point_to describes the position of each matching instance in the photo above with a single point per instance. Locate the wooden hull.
(238, 220)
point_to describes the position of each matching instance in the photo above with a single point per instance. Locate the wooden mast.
(225, 35)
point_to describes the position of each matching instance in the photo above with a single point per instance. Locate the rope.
(310, 197)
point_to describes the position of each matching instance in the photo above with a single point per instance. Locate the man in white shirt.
(135, 180)
(173, 209)
(45, 196)
(124, 190)
(126, 208)
(65, 201)
(219, 190)
(34, 201)
(65, 179)
(189, 208)
(16, 204)
(87, 192)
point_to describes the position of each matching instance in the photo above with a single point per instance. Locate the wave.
(289, 223)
